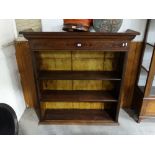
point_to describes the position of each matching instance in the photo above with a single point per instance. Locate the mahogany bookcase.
(92, 84)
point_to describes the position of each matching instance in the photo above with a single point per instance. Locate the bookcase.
(79, 75)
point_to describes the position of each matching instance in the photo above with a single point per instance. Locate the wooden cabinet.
(79, 77)
(144, 94)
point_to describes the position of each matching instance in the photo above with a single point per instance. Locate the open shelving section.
(78, 116)
(77, 95)
(79, 76)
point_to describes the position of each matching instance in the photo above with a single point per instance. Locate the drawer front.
(79, 44)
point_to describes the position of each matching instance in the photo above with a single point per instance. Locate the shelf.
(77, 96)
(78, 75)
(77, 116)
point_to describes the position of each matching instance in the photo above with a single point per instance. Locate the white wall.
(10, 87)
(135, 24)
(151, 33)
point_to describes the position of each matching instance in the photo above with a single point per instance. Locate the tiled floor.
(28, 125)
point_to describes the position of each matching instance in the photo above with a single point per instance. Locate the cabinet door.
(151, 40)
(145, 67)
(146, 77)
(142, 80)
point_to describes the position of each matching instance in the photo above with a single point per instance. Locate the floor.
(28, 125)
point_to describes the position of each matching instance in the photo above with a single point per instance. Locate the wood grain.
(150, 107)
(131, 73)
(23, 58)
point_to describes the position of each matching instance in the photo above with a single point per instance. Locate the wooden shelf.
(75, 116)
(78, 75)
(77, 96)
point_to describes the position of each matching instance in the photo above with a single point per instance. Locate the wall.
(24, 24)
(10, 87)
(134, 24)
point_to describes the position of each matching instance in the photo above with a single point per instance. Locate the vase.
(107, 25)
(76, 24)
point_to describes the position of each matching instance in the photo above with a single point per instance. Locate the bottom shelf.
(78, 116)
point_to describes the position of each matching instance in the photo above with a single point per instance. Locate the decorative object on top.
(27, 24)
(77, 24)
(107, 25)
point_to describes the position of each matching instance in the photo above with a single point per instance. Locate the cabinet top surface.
(30, 34)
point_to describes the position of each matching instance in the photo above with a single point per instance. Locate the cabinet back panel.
(77, 60)
(77, 85)
(75, 105)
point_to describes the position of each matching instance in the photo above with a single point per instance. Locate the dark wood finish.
(137, 100)
(79, 75)
(77, 95)
(80, 41)
(79, 44)
(128, 35)
(78, 116)
(112, 42)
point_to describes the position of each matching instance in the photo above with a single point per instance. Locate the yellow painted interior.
(76, 60)
(77, 85)
(75, 105)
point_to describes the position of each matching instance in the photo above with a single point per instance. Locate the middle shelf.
(77, 96)
(78, 75)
